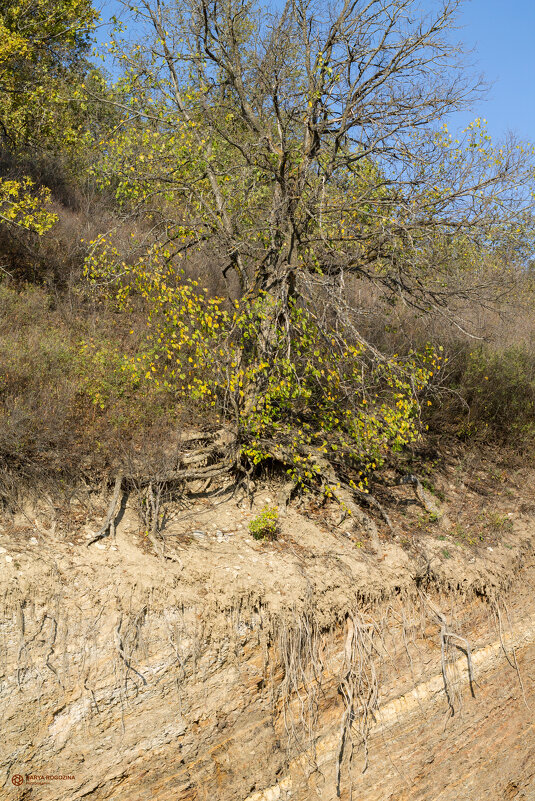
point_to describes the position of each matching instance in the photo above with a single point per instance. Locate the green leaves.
(42, 46)
(265, 526)
(24, 207)
(308, 399)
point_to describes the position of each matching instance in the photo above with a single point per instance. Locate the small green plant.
(266, 525)
(498, 522)
(446, 554)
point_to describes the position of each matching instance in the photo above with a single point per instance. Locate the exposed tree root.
(108, 526)
(448, 637)
(206, 458)
(495, 605)
(300, 652)
(347, 497)
(204, 464)
(366, 649)
(126, 654)
(422, 495)
(359, 690)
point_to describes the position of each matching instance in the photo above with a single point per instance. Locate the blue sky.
(501, 36)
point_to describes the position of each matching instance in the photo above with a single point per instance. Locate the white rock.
(34, 540)
(100, 546)
(3, 550)
(9, 558)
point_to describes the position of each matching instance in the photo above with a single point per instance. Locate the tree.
(43, 57)
(315, 135)
(307, 147)
(43, 45)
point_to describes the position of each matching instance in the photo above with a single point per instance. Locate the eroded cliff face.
(241, 671)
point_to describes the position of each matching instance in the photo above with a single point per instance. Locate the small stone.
(490, 549)
(100, 546)
(114, 548)
(3, 550)
(34, 540)
(9, 558)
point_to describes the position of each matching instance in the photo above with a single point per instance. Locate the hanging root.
(126, 640)
(359, 690)
(152, 516)
(511, 658)
(447, 639)
(300, 650)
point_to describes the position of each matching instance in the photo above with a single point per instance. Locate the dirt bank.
(399, 666)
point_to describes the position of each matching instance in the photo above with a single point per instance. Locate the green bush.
(498, 388)
(305, 395)
(266, 525)
(65, 398)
